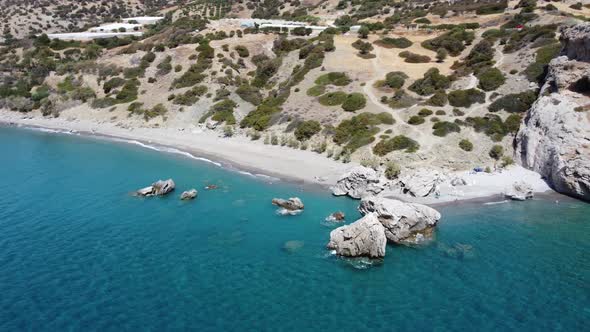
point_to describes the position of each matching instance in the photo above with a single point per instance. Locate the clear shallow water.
(78, 253)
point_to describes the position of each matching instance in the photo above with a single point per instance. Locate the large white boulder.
(519, 191)
(422, 183)
(405, 223)
(359, 182)
(158, 188)
(363, 238)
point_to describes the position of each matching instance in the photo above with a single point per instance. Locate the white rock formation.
(189, 194)
(359, 182)
(363, 238)
(291, 204)
(554, 139)
(520, 191)
(423, 182)
(405, 223)
(159, 188)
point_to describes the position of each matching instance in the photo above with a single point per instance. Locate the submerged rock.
(158, 188)
(358, 182)
(363, 238)
(291, 204)
(404, 223)
(520, 191)
(189, 194)
(293, 245)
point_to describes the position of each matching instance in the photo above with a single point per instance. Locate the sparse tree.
(441, 54)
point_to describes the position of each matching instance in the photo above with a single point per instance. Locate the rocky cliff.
(555, 137)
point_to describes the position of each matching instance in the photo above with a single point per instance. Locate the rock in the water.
(336, 217)
(359, 182)
(520, 191)
(404, 223)
(291, 204)
(424, 182)
(363, 238)
(553, 140)
(189, 194)
(159, 188)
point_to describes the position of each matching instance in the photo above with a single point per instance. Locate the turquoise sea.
(78, 253)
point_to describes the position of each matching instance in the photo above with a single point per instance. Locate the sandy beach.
(298, 166)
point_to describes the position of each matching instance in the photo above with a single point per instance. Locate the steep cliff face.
(555, 137)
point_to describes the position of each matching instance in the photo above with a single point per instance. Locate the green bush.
(535, 72)
(249, 94)
(128, 92)
(416, 120)
(410, 57)
(359, 130)
(496, 152)
(443, 128)
(165, 66)
(316, 90)
(354, 102)
(113, 83)
(466, 98)
(222, 111)
(399, 142)
(431, 82)
(424, 112)
(157, 110)
(333, 98)
(334, 78)
(242, 51)
(306, 129)
(439, 98)
(453, 41)
(395, 79)
(190, 96)
(466, 145)
(441, 112)
(259, 119)
(515, 102)
(490, 79)
(388, 42)
(265, 70)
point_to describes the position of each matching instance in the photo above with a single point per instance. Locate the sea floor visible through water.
(78, 252)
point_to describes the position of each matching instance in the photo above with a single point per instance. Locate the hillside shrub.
(354, 102)
(399, 142)
(515, 102)
(439, 98)
(443, 128)
(388, 42)
(316, 90)
(490, 79)
(333, 78)
(333, 98)
(466, 145)
(416, 120)
(306, 129)
(411, 57)
(395, 79)
(249, 94)
(430, 83)
(466, 98)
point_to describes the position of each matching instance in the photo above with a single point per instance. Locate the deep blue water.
(78, 253)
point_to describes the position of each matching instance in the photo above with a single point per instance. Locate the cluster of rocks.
(164, 187)
(384, 220)
(359, 182)
(554, 139)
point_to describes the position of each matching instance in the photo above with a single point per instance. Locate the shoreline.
(303, 169)
(238, 154)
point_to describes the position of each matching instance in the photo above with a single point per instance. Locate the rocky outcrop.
(404, 223)
(520, 191)
(336, 217)
(363, 238)
(189, 194)
(359, 182)
(291, 204)
(159, 188)
(554, 139)
(577, 42)
(423, 182)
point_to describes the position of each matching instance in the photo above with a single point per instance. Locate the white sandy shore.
(305, 167)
